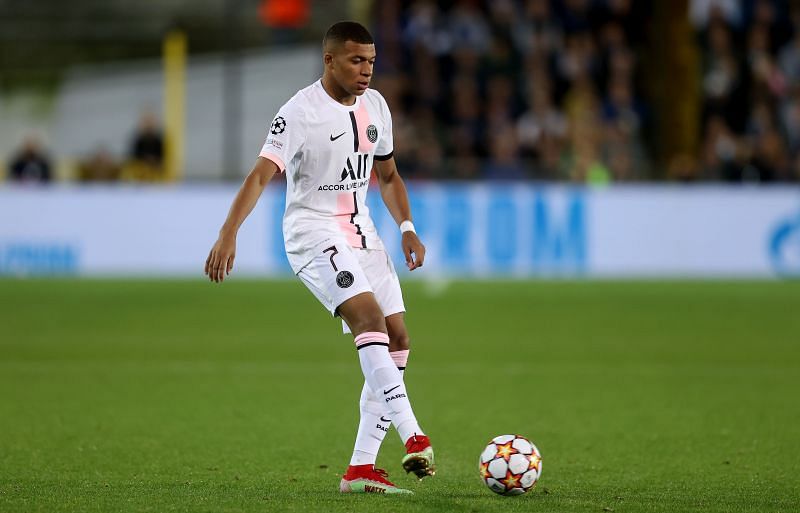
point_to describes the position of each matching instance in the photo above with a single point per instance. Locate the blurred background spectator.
(31, 163)
(147, 151)
(592, 91)
(100, 166)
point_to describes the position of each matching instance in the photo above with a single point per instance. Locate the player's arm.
(220, 258)
(395, 196)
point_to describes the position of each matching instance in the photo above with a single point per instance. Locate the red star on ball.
(506, 450)
(511, 480)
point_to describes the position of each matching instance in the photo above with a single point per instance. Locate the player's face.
(351, 66)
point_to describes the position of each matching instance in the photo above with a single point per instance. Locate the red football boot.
(419, 456)
(368, 479)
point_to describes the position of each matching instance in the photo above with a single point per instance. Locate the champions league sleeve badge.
(278, 126)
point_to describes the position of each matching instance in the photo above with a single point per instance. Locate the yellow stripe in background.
(174, 50)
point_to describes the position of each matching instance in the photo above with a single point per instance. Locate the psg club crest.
(372, 133)
(344, 279)
(278, 126)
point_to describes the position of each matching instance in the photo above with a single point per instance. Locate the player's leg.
(374, 423)
(398, 334)
(374, 414)
(365, 319)
(419, 453)
(336, 279)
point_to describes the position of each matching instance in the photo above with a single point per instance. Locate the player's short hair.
(343, 31)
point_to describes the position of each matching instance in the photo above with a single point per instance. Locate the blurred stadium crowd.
(559, 90)
(513, 90)
(554, 90)
(751, 91)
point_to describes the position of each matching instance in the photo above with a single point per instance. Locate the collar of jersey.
(334, 103)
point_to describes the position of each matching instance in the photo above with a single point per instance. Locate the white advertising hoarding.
(480, 230)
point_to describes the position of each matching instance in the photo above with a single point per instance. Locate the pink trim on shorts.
(400, 358)
(274, 158)
(362, 122)
(371, 337)
(345, 207)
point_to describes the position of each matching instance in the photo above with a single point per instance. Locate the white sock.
(373, 424)
(372, 428)
(386, 382)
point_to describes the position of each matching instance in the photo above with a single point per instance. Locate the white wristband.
(407, 226)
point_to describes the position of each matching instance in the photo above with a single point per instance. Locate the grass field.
(161, 396)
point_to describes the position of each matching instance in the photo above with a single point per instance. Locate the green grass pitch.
(162, 396)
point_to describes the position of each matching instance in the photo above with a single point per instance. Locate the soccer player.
(327, 139)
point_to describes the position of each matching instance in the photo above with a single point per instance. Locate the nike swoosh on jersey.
(338, 136)
(390, 390)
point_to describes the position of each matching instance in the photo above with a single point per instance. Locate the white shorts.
(340, 272)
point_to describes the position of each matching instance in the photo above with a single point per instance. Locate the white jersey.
(327, 151)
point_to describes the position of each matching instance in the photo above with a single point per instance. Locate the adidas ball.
(510, 465)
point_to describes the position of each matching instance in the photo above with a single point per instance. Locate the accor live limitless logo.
(784, 246)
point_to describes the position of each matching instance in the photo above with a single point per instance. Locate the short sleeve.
(285, 137)
(386, 143)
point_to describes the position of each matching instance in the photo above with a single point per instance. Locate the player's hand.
(220, 259)
(413, 249)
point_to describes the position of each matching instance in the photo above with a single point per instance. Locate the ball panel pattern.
(503, 439)
(519, 463)
(495, 485)
(488, 454)
(522, 445)
(529, 478)
(498, 468)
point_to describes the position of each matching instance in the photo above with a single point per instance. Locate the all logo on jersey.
(372, 133)
(278, 126)
(344, 279)
(358, 173)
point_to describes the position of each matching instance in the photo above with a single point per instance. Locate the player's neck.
(336, 92)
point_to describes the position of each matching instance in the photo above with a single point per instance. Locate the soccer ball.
(510, 465)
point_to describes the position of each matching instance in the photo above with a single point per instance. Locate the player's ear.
(327, 58)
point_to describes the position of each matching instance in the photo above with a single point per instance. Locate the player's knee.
(368, 321)
(362, 314)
